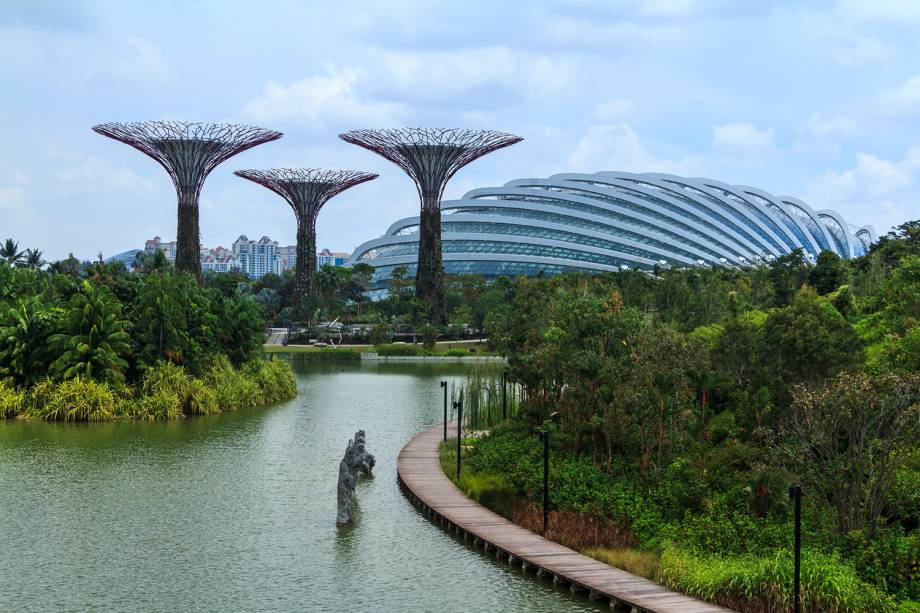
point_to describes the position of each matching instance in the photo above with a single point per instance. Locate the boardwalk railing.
(421, 477)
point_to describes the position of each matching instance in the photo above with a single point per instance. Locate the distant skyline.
(817, 100)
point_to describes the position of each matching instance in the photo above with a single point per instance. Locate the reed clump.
(11, 401)
(485, 403)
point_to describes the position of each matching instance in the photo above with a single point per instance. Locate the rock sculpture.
(357, 462)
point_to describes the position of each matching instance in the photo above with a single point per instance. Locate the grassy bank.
(387, 349)
(311, 354)
(719, 554)
(165, 391)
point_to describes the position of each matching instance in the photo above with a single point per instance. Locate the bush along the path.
(720, 554)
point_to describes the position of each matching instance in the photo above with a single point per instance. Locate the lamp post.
(459, 406)
(544, 437)
(444, 387)
(795, 495)
(504, 394)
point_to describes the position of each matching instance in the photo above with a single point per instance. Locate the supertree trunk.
(305, 268)
(188, 237)
(429, 278)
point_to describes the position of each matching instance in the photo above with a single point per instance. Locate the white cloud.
(132, 60)
(581, 32)
(617, 147)
(617, 109)
(445, 74)
(94, 172)
(740, 137)
(861, 52)
(824, 127)
(12, 197)
(901, 100)
(321, 99)
(893, 11)
(875, 190)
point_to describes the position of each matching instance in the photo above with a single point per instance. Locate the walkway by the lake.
(420, 472)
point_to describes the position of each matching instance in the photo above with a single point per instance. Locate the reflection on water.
(237, 511)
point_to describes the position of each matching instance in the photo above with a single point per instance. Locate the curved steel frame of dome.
(609, 221)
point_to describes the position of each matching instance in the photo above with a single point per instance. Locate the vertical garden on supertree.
(306, 190)
(189, 152)
(430, 157)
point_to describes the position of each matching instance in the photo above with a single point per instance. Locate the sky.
(818, 100)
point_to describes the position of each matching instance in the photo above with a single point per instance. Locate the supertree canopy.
(430, 157)
(189, 152)
(306, 190)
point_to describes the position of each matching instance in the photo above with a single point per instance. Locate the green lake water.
(237, 511)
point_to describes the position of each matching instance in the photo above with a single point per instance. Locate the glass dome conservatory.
(612, 221)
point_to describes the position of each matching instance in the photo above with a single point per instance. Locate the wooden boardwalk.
(426, 485)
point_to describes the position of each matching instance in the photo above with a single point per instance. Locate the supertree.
(430, 157)
(306, 190)
(189, 152)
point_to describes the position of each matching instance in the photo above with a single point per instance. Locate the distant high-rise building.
(256, 258)
(332, 258)
(220, 259)
(156, 244)
(287, 258)
(252, 258)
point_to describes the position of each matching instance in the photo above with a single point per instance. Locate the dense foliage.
(91, 342)
(684, 404)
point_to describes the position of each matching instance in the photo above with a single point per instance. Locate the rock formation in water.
(357, 462)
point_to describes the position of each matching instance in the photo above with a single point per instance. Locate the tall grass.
(482, 397)
(11, 401)
(77, 399)
(635, 561)
(749, 583)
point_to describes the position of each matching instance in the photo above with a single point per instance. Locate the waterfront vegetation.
(681, 406)
(94, 343)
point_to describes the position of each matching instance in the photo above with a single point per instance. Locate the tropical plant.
(24, 331)
(77, 399)
(848, 440)
(11, 401)
(161, 312)
(10, 252)
(94, 342)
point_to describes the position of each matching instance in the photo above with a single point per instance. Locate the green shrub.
(11, 401)
(457, 352)
(379, 334)
(429, 337)
(275, 379)
(227, 383)
(166, 376)
(201, 398)
(397, 349)
(77, 399)
(749, 583)
(161, 404)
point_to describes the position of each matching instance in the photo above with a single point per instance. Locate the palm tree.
(327, 279)
(95, 338)
(33, 259)
(10, 253)
(24, 331)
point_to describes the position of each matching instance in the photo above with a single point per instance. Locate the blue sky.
(818, 100)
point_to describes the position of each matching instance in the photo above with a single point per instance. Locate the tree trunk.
(188, 237)
(429, 277)
(305, 266)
